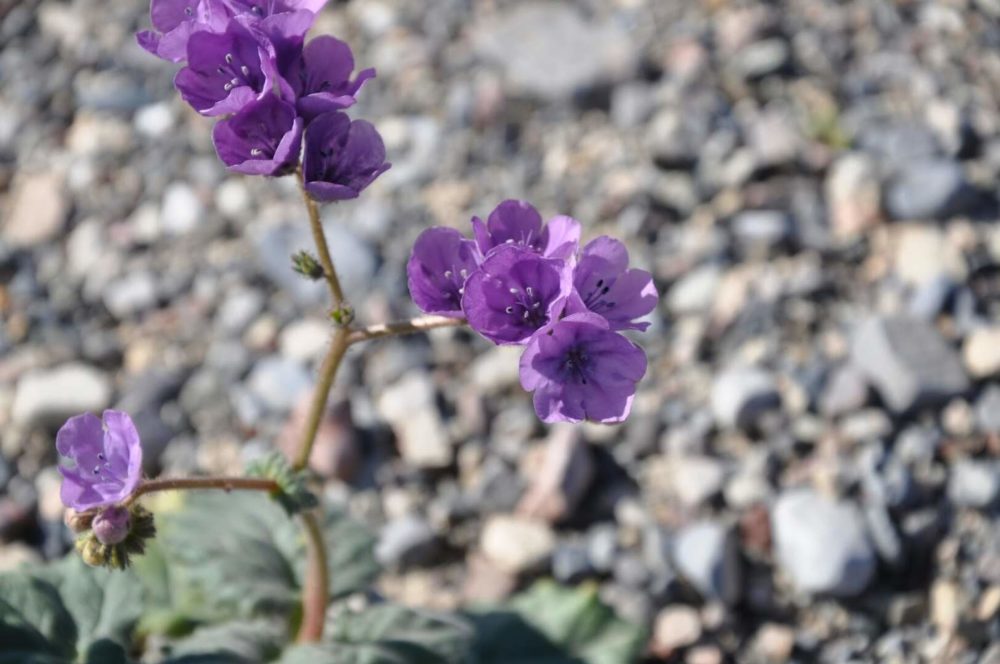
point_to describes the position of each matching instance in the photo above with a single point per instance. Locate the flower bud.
(92, 551)
(306, 264)
(112, 525)
(78, 522)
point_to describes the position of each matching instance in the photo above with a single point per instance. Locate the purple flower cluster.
(524, 282)
(247, 60)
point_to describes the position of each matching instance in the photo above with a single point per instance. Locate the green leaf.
(294, 495)
(236, 642)
(33, 619)
(105, 604)
(388, 634)
(573, 620)
(104, 651)
(240, 555)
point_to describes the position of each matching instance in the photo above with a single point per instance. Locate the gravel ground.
(812, 468)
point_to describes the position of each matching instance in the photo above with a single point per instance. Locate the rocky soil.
(812, 468)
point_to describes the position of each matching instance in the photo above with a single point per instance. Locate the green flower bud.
(306, 264)
(117, 534)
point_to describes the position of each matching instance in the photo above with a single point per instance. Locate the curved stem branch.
(316, 593)
(319, 237)
(189, 483)
(397, 328)
(327, 372)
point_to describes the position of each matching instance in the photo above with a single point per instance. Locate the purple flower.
(320, 77)
(174, 21)
(264, 138)
(111, 525)
(514, 293)
(440, 263)
(106, 460)
(227, 70)
(341, 157)
(579, 369)
(518, 222)
(264, 8)
(602, 283)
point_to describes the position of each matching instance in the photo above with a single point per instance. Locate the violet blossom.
(174, 21)
(514, 293)
(264, 138)
(227, 70)
(105, 459)
(518, 222)
(579, 369)
(320, 77)
(605, 285)
(441, 261)
(342, 157)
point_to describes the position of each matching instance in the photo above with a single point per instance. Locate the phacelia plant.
(280, 104)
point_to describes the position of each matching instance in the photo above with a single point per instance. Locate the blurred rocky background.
(810, 472)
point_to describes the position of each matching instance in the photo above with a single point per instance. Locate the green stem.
(316, 593)
(319, 237)
(190, 483)
(397, 328)
(327, 372)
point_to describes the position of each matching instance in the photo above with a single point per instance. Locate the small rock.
(866, 425)
(694, 293)
(761, 228)
(774, 643)
(981, 352)
(410, 407)
(406, 541)
(496, 369)
(155, 120)
(516, 544)
(924, 254)
(304, 340)
(570, 563)
(697, 479)
(233, 199)
(676, 627)
(707, 555)
(337, 451)
(17, 555)
(182, 209)
(988, 410)
(908, 362)
(279, 383)
(946, 598)
(630, 571)
(565, 474)
(821, 544)
(884, 536)
(853, 195)
(238, 309)
(486, 581)
(844, 392)
(741, 396)
(585, 55)
(602, 547)
(928, 189)
(50, 396)
(37, 212)
(762, 58)
(974, 483)
(133, 293)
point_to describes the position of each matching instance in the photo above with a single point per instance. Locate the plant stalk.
(316, 593)
(397, 328)
(319, 237)
(188, 483)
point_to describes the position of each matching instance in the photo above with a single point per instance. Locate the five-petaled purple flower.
(320, 78)
(174, 21)
(579, 369)
(514, 293)
(441, 261)
(518, 222)
(227, 70)
(604, 284)
(264, 138)
(342, 157)
(106, 460)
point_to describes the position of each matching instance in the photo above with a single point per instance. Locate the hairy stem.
(316, 593)
(327, 372)
(397, 328)
(188, 483)
(319, 237)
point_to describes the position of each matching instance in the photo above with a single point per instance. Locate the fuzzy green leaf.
(236, 642)
(388, 634)
(240, 555)
(33, 619)
(554, 625)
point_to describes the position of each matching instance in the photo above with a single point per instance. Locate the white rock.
(695, 291)
(279, 383)
(182, 209)
(37, 212)
(981, 352)
(409, 407)
(676, 627)
(304, 340)
(517, 544)
(50, 396)
(155, 120)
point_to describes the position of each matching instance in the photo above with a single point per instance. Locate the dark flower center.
(102, 470)
(526, 309)
(575, 362)
(595, 298)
